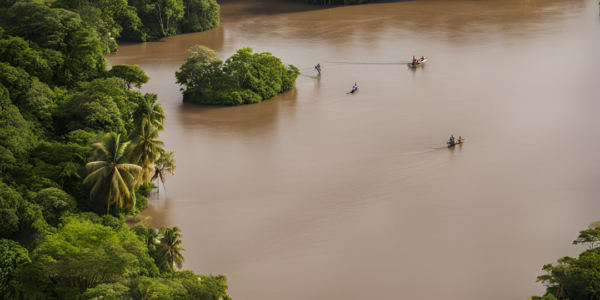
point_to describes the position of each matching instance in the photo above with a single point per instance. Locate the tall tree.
(164, 164)
(200, 15)
(148, 111)
(166, 12)
(590, 237)
(170, 242)
(147, 150)
(131, 75)
(558, 275)
(110, 178)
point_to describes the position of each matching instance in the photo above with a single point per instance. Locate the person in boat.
(422, 58)
(460, 140)
(452, 139)
(318, 67)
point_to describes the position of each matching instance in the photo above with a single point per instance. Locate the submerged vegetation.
(244, 78)
(575, 278)
(79, 151)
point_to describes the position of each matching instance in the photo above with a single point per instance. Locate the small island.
(244, 78)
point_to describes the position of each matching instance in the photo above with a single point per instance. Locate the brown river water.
(317, 194)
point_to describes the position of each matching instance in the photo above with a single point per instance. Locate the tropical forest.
(299, 149)
(80, 153)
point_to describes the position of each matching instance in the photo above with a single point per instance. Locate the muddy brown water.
(317, 194)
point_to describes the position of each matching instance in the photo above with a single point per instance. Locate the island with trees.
(244, 78)
(80, 154)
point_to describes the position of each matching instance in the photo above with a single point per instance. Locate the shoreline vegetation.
(111, 20)
(80, 154)
(244, 78)
(575, 278)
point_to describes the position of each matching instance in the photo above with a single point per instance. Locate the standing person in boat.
(318, 67)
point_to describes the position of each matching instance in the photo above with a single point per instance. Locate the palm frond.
(91, 167)
(110, 180)
(110, 143)
(126, 197)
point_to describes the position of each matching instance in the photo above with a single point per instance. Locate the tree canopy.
(83, 254)
(244, 78)
(60, 111)
(131, 75)
(575, 278)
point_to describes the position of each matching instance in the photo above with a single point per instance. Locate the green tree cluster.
(77, 25)
(93, 257)
(244, 78)
(79, 151)
(169, 17)
(575, 278)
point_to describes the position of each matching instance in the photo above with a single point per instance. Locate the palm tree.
(147, 150)
(148, 111)
(110, 178)
(164, 164)
(169, 244)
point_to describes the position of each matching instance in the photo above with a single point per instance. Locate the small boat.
(354, 89)
(456, 142)
(420, 62)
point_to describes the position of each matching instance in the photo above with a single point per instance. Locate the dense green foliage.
(337, 2)
(575, 278)
(244, 78)
(131, 75)
(79, 28)
(78, 150)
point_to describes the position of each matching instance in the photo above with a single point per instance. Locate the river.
(317, 194)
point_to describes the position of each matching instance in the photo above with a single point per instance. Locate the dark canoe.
(421, 62)
(456, 142)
